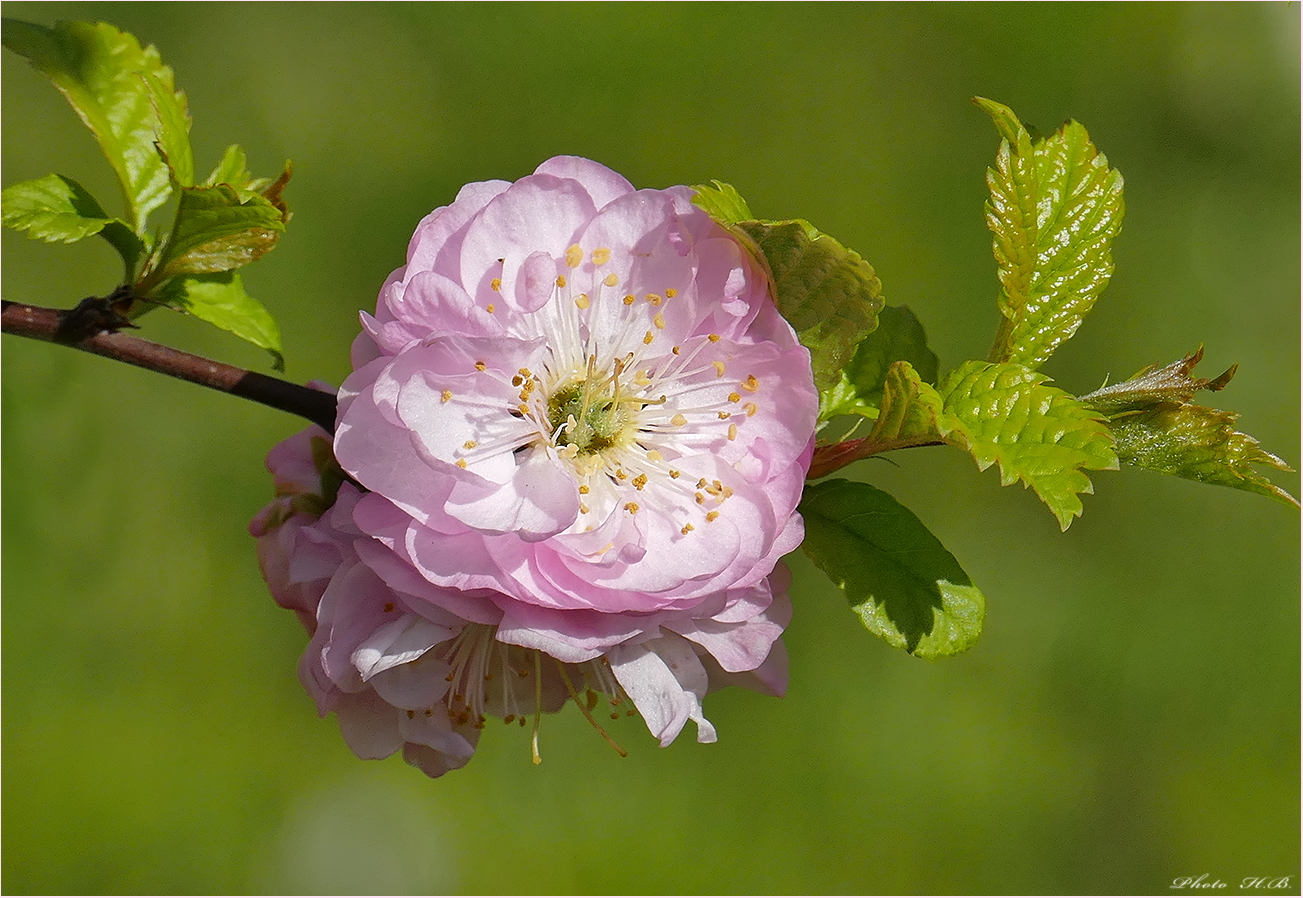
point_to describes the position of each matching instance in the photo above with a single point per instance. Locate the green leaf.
(215, 230)
(1007, 414)
(220, 300)
(1054, 210)
(899, 579)
(908, 416)
(105, 74)
(899, 337)
(59, 210)
(173, 128)
(828, 294)
(1197, 443)
(1157, 427)
(722, 202)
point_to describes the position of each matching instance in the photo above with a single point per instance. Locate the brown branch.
(81, 329)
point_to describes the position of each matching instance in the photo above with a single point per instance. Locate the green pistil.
(596, 428)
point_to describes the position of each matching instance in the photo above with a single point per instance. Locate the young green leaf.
(215, 230)
(899, 579)
(722, 202)
(1038, 434)
(220, 300)
(827, 292)
(1157, 427)
(59, 210)
(899, 337)
(105, 74)
(1054, 210)
(907, 417)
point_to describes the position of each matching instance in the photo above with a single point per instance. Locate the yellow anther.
(631, 507)
(640, 481)
(517, 380)
(674, 475)
(628, 299)
(647, 338)
(561, 280)
(750, 384)
(659, 320)
(583, 489)
(489, 308)
(750, 408)
(469, 444)
(701, 483)
(712, 515)
(411, 714)
(582, 300)
(653, 298)
(675, 350)
(389, 607)
(670, 293)
(446, 395)
(732, 431)
(583, 509)
(601, 255)
(734, 397)
(480, 366)
(653, 455)
(610, 280)
(641, 378)
(687, 528)
(724, 416)
(678, 420)
(719, 368)
(461, 463)
(496, 284)
(574, 255)
(700, 497)
(714, 338)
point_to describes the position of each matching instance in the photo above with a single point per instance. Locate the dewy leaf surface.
(104, 73)
(1008, 414)
(220, 300)
(899, 579)
(1055, 207)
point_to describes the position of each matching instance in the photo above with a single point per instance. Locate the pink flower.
(583, 429)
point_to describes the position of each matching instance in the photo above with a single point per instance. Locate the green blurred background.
(1131, 713)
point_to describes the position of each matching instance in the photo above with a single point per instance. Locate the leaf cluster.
(128, 99)
(1054, 208)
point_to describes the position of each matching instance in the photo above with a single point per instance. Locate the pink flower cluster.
(574, 441)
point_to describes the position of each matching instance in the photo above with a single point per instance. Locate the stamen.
(574, 255)
(587, 711)
(601, 255)
(538, 689)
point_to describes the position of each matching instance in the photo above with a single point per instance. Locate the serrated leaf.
(899, 579)
(102, 73)
(827, 292)
(1055, 208)
(1157, 427)
(215, 230)
(59, 210)
(220, 300)
(1152, 385)
(173, 127)
(907, 417)
(1197, 443)
(1008, 414)
(899, 337)
(722, 202)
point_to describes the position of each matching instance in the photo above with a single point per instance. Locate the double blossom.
(580, 429)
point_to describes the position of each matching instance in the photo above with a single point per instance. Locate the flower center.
(589, 423)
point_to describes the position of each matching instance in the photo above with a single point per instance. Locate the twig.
(69, 328)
